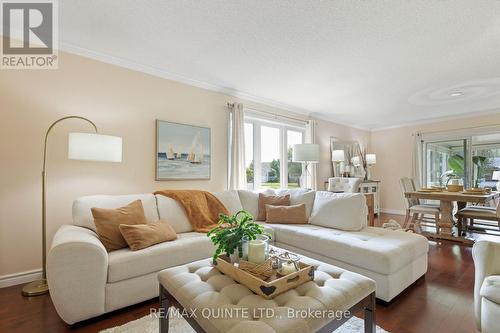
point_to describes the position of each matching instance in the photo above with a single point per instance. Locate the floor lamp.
(81, 146)
(307, 153)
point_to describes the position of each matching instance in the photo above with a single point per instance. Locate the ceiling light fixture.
(456, 94)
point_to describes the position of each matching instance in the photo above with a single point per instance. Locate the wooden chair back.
(408, 185)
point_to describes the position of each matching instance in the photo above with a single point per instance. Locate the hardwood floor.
(441, 302)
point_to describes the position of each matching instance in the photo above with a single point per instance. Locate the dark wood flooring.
(441, 302)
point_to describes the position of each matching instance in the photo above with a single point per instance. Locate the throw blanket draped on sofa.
(202, 208)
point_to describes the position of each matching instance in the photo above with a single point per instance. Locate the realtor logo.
(29, 31)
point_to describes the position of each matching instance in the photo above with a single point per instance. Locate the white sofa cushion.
(250, 200)
(82, 215)
(376, 249)
(344, 211)
(230, 199)
(172, 211)
(299, 196)
(188, 247)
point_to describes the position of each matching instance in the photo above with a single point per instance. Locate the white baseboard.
(20, 278)
(393, 211)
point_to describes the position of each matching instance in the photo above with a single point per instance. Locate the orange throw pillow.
(273, 200)
(107, 222)
(295, 214)
(141, 236)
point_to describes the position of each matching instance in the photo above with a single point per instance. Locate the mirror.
(352, 163)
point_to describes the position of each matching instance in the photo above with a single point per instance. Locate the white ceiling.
(370, 64)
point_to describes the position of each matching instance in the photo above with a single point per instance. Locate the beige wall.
(325, 130)
(121, 102)
(394, 149)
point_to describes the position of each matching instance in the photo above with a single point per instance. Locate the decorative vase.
(235, 256)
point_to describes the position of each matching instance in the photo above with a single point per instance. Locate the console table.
(372, 186)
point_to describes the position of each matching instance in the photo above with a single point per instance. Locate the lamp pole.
(40, 287)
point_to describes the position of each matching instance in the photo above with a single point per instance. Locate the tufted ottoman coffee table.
(213, 302)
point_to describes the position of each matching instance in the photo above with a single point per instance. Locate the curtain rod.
(273, 114)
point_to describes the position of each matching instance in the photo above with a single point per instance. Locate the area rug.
(149, 324)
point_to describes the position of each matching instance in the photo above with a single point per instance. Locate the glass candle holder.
(289, 263)
(258, 249)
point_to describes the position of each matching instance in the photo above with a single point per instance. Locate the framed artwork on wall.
(183, 151)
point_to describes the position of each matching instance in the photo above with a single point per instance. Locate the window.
(439, 156)
(249, 155)
(268, 153)
(471, 156)
(294, 168)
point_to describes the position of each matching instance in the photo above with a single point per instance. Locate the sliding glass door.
(485, 160)
(444, 159)
(474, 158)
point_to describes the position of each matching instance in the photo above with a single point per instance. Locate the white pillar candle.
(256, 251)
(287, 268)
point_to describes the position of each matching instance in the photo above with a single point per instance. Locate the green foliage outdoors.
(274, 173)
(457, 164)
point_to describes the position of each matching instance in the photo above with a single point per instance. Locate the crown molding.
(155, 71)
(326, 118)
(437, 119)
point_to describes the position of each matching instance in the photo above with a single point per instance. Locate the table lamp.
(81, 146)
(307, 153)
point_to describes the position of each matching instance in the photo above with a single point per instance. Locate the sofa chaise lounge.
(86, 281)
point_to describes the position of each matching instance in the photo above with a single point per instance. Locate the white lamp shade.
(496, 175)
(94, 147)
(306, 152)
(371, 159)
(338, 156)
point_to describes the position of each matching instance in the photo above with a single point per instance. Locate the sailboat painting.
(182, 151)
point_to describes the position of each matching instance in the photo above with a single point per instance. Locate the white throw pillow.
(82, 215)
(231, 200)
(344, 211)
(173, 212)
(299, 196)
(250, 200)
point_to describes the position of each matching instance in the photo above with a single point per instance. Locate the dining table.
(446, 202)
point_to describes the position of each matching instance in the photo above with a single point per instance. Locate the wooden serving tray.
(272, 286)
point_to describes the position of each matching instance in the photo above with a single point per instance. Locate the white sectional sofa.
(85, 281)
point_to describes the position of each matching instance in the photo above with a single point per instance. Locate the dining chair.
(416, 211)
(471, 213)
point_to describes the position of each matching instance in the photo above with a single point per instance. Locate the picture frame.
(183, 151)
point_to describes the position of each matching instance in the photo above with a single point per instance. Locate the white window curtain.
(311, 178)
(417, 158)
(237, 173)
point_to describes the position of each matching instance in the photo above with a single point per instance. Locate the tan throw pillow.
(142, 236)
(273, 200)
(295, 214)
(107, 222)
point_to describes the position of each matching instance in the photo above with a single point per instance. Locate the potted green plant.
(229, 235)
